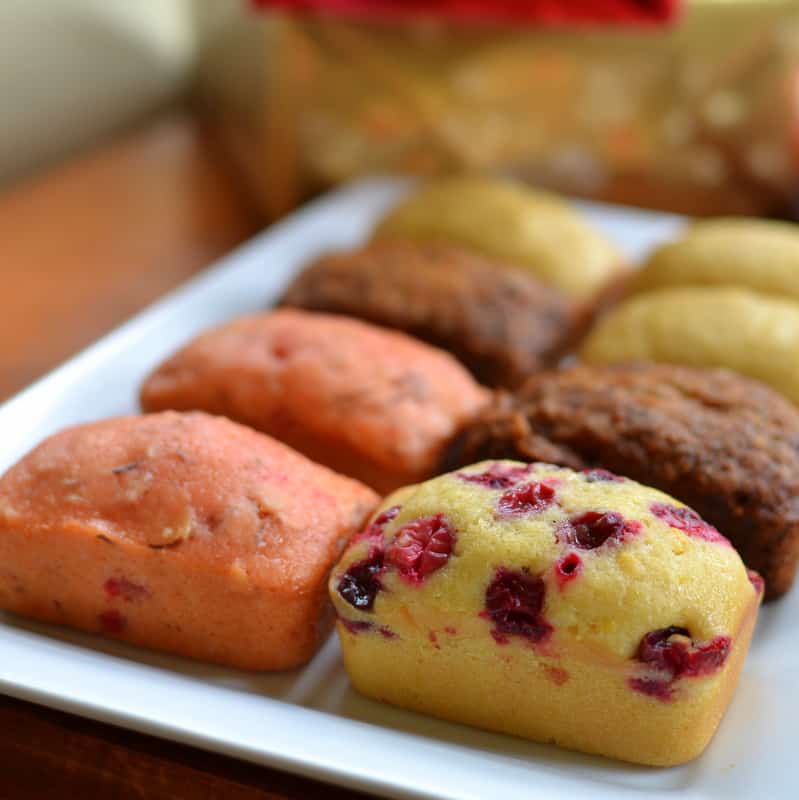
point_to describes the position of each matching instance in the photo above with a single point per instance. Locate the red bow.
(547, 12)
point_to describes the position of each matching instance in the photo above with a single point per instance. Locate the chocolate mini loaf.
(725, 445)
(501, 322)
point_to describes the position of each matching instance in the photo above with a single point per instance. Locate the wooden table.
(82, 247)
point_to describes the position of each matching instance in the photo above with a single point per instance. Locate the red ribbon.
(529, 12)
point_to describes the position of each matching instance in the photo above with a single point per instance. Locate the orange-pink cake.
(179, 532)
(366, 401)
(582, 609)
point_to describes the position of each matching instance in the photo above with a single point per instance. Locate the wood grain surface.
(82, 248)
(85, 246)
(49, 755)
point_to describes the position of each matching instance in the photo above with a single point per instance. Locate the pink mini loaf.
(180, 532)
(369, 402)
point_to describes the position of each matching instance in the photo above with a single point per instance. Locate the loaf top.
(512, 222)
(725, 445)
(391, 398)
(545, 556)
(759, 254)
(202, 491)
(501, 322)
(741, 330)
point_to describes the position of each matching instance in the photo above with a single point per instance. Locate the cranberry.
(756, 580)
(375, 529)
(355, 626)
(659, 649)
(567, 568)
(127, 590)
(112, 622)
(384, 517)
(362, 626)
(513, 602)
(422, 547)
(497, 476)
(361, 582)
(687, 520)
(706, 658)
(662, 690)
(593, 528)
(672, 652)
(557, 675)
(529, 498)
(600, 475)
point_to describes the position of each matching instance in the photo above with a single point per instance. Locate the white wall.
(73, 71)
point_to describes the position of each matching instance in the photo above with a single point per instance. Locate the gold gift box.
(701, 116)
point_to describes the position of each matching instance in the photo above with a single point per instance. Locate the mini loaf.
(762, 255)
(502, 323)
(580, 609)
(180, 532)
(366, 401)
(725, 445)
(513, 223)
(749, 333)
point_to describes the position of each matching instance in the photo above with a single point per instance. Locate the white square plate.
(310, 721)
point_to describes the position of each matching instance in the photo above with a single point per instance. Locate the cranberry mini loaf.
(180, 532)
(366, 401)
(577, 608)
(725, 445)
(509, 221)
(502, 323)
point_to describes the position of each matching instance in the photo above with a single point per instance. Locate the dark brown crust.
(499, 321)
(724, 445)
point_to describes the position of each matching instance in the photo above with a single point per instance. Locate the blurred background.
(75, 72)
(141, 141)
(691, 106)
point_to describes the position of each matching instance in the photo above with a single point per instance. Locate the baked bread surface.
(511, 222)
(749, 333)
(725, 445)
(502, 323)
(363, 400)
(758, 254)
(577, 608)
(179, 532)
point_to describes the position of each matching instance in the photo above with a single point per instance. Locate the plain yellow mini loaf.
(511, 222)
(747, 332)
(577, 608)
(759, 254)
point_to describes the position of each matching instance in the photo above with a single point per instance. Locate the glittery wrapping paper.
(701, 116)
